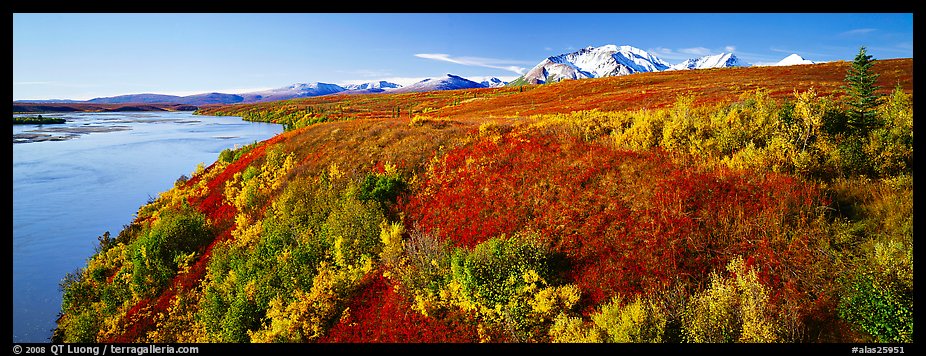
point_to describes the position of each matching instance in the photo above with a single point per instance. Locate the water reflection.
(74, 181)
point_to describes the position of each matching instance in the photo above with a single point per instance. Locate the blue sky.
(82, 56)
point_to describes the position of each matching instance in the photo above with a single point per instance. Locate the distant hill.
(198, 99)
(212, 98)
(298, 90)
(493, 83)
(447, 82)
(45, 101)
(371, 87)
(21, 107)
(138, 99)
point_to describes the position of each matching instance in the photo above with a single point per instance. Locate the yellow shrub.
(748, 158)
(178, 324)
(568, 329)
(393, 245)
(419, 120)
(308, 316)
(644, 132)
(679, 128)
(639, 321)
(733, 309)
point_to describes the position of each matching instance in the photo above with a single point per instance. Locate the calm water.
(74, 181)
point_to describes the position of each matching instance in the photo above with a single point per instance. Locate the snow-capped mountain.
(594, 62)
(793, 59)
(493, 83)
(373, 87)
(722, 60)
(298, 90)
(590, 62)
(446, 82)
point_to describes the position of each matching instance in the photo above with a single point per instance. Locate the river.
(74, 181)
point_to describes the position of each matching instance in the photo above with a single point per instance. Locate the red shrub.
(379, 314)
(627, 222)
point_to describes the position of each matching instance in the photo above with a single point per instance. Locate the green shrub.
(255, 283)
(154, 255)
(852, 157)
(877, 293)
(242, 316)
(82, 327)
(381, 187)
(353, 228)
(76, 290)
(230, 155)
(492, 273)
(879, 311)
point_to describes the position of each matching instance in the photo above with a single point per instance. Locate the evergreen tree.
(861, 93)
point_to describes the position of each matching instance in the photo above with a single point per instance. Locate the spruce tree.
(861, 94)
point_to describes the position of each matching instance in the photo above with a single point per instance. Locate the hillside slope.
(642, 90)
(727, 205)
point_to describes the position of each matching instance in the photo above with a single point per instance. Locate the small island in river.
(33, 120)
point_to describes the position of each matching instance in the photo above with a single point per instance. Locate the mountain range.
(590, 62)
(298, 90)
(722, 60)
(611, 60)
(593, 62)
(446, 82)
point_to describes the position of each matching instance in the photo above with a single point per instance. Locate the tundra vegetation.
(728, 208)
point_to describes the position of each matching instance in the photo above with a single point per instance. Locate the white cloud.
(858, 32)
(662, 50)
(370, 73)
(504, 64)
(730, 48)
(698, 51)
(668, 54)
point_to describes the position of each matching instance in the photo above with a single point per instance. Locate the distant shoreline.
(35, 108)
